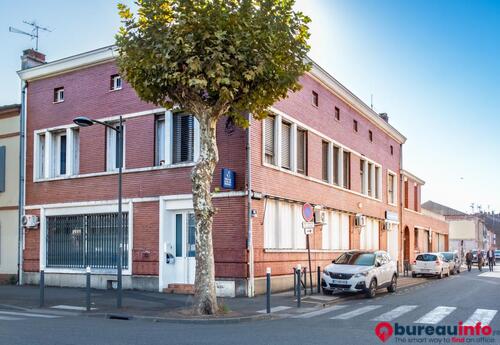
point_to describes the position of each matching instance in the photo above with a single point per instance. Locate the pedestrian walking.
(490, 255)
(468, 260)
(480, 260)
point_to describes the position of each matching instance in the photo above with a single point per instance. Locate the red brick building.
(321, 145)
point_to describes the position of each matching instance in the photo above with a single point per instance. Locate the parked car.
(360, 271)
(497, 254)
(453, 260)
(430, 264)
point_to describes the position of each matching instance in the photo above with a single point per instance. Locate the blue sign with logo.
(228, 178)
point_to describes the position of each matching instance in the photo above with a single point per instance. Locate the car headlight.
(361, 274)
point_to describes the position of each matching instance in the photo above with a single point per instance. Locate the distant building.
(9, 189)
(467, 232)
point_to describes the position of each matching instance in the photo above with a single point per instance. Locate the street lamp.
(83, 121)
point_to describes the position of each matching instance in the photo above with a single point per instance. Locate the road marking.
(481, 315)
(319, 312)
(28, 314)
(70, 307)
(436, 315)
(274, 309)
(356, 312)
(10, 318)
(394, 313)
(494, 274)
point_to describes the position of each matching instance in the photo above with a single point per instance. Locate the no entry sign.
(307, 212)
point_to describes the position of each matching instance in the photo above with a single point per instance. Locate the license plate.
(337, 281)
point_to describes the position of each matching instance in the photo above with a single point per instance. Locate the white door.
(179, 248)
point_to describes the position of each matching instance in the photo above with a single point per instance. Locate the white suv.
(360, 271)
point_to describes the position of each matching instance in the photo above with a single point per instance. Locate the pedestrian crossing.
(6, 315)
(376, 312)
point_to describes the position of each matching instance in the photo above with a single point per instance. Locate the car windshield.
(497, 251)
(426, 257)
(448, 256)
(356, 258)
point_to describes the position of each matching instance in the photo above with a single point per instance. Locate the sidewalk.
(169, 307)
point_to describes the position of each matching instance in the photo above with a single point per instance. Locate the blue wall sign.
(228, 178)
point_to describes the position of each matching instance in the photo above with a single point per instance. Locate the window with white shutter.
(301, 151)
(347, 170)
(160, 158)
(286, 129)
(182, 138)
(324, 160)
(283, 225)
(336, 165)
(269, 135)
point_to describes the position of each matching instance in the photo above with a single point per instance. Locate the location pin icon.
(384, 331)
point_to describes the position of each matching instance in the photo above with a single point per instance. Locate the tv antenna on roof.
(34, 32)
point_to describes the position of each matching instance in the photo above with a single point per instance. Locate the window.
(355, 125)
(160, 158)
(336, 165)
(58, 94)
(113, 147)
(269, 134)
(286, 130)
(115, 82)
(370, 179)
(78, 241)
(337, 114)
(415, 197)
(283, 225)
(391, 179)
(301, 151)
(378, 183)
(392, 150)
(182, 138)
(57, 153)
(370, 135)
(2, 168)
(362, 176)
(347, 170)
(315, 98)
(406, 193)
(325, 162)
(369, 236)
(335, 233)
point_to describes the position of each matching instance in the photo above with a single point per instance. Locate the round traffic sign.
(307, 212)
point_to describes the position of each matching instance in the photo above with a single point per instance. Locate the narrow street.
(468, 297)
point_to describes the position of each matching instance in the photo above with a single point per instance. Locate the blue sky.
(433, 66)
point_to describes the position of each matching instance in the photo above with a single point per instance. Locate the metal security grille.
(78, 241)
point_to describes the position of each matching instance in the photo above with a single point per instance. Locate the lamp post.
(83, 121)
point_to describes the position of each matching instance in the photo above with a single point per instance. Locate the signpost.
(308, 226)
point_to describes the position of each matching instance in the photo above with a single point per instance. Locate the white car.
(433, 264)
(360, 271)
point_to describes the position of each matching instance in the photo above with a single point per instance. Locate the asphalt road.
(466, 297)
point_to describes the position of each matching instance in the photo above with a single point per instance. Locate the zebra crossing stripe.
(318, 312)
(355, 312)
(481, 315)
(436, 315)
(28, 314)
(10, 318)
(395, 313)
(274, 309)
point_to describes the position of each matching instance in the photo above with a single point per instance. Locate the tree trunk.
(202, 175)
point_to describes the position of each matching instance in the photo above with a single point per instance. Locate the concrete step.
(182, 289)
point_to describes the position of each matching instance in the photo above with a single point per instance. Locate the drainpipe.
(251, 281)
(401, 223)
(22, 122)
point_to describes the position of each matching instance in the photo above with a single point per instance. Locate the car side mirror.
(377, 264)
(333, 261)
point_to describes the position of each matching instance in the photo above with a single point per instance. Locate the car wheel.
(394, 283)
(440, 275)
(327, 292)
(372, 289)
(452, 272)
(413, 275)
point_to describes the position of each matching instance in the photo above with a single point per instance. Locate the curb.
(227, 320)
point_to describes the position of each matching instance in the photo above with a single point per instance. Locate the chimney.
(32, 58)
(384, 116)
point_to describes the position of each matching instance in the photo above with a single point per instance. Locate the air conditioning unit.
(319, 215)
(29, 221)
(360, 220)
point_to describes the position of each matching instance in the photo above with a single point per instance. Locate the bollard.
(268, 290)
(305, 281)
(319, 279)
(42, 287)
(299, 269)
(294, 282)
(88, 288)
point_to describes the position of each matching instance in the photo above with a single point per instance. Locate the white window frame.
(111, 154)
(116, 79)
(394, 187)
(59, 94)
